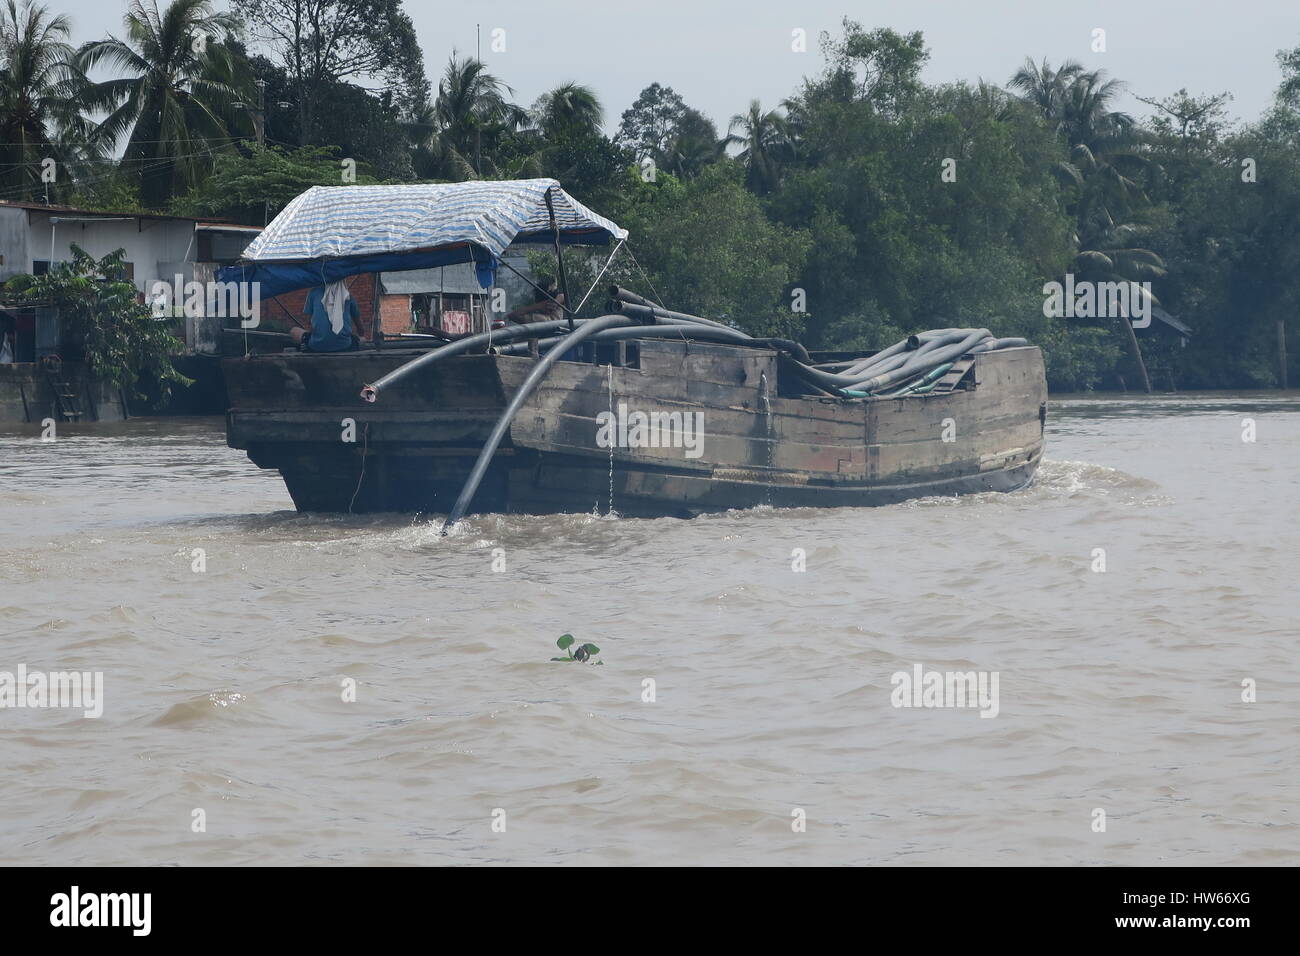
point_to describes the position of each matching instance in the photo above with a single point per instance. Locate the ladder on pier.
(66, 404)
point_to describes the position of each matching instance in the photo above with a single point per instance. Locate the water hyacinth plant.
(582, 652)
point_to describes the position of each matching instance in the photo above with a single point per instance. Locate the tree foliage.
(875, 202)
(710, 250)
(253, 187)
(175, 103)
(120, 340)
(40, 111)
(322, 43)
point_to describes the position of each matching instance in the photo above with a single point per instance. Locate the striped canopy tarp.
(331, 232)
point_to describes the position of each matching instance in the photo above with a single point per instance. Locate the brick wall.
(395, 313)
(394, 310)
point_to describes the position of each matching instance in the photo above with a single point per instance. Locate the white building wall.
(157, 248)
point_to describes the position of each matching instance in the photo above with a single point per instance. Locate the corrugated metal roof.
(57, 210)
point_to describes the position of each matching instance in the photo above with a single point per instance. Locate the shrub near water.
(99, 310)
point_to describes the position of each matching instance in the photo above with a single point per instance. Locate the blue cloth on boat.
(323, 338)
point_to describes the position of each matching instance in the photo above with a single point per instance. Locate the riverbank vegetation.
(866, 205)
(117, 336)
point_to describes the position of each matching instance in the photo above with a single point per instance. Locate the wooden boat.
(747, 423)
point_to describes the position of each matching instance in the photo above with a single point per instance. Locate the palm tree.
(687, 154)
(1103, 143)
(176, 102)
(467, 121)
(1047, 89)
(40, 116)
(569, 108)
(1104, 167)
(692, 144)
(766, 146)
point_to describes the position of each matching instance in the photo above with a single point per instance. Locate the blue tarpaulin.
(331, 232)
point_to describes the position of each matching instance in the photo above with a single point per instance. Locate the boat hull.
(756, 444)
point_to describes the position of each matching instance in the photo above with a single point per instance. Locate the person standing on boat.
(548, 304)
(333, 313)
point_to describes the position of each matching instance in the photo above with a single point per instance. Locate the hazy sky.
(719, 54)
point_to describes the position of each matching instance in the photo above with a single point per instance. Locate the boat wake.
(1081, 477)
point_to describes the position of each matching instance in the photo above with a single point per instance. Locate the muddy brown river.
(293, 689)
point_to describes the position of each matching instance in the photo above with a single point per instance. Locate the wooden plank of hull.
(418, 444)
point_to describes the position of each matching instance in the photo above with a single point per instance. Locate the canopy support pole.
(608, 263)
(559, 259)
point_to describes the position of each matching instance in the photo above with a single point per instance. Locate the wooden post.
(1137, 354)
(1281, 350)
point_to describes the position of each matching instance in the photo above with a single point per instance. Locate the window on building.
(41, 267)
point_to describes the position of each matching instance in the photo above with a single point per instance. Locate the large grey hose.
(586, 330)
(919, 361)
(661, 330)
(371, 392)
(905, 351)
(671, 328)
(646, 311)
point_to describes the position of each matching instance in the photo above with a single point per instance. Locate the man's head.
(546, 289)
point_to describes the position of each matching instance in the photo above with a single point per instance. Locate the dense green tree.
(1229, 228)
(103, 322)
(661, 129)
(253, 187)
(174, 103)
(650, 123)
(766, 146)
(322, 44)
(569, 109)
(466, 129)
(926, 206)
(879, 68)
(40, 112)
(709, 249)
(693, 145)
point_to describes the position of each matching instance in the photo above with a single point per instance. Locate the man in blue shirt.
(333, 313)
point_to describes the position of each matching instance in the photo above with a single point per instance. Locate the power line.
(112, 162)
(15, 191)
(67, 142)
